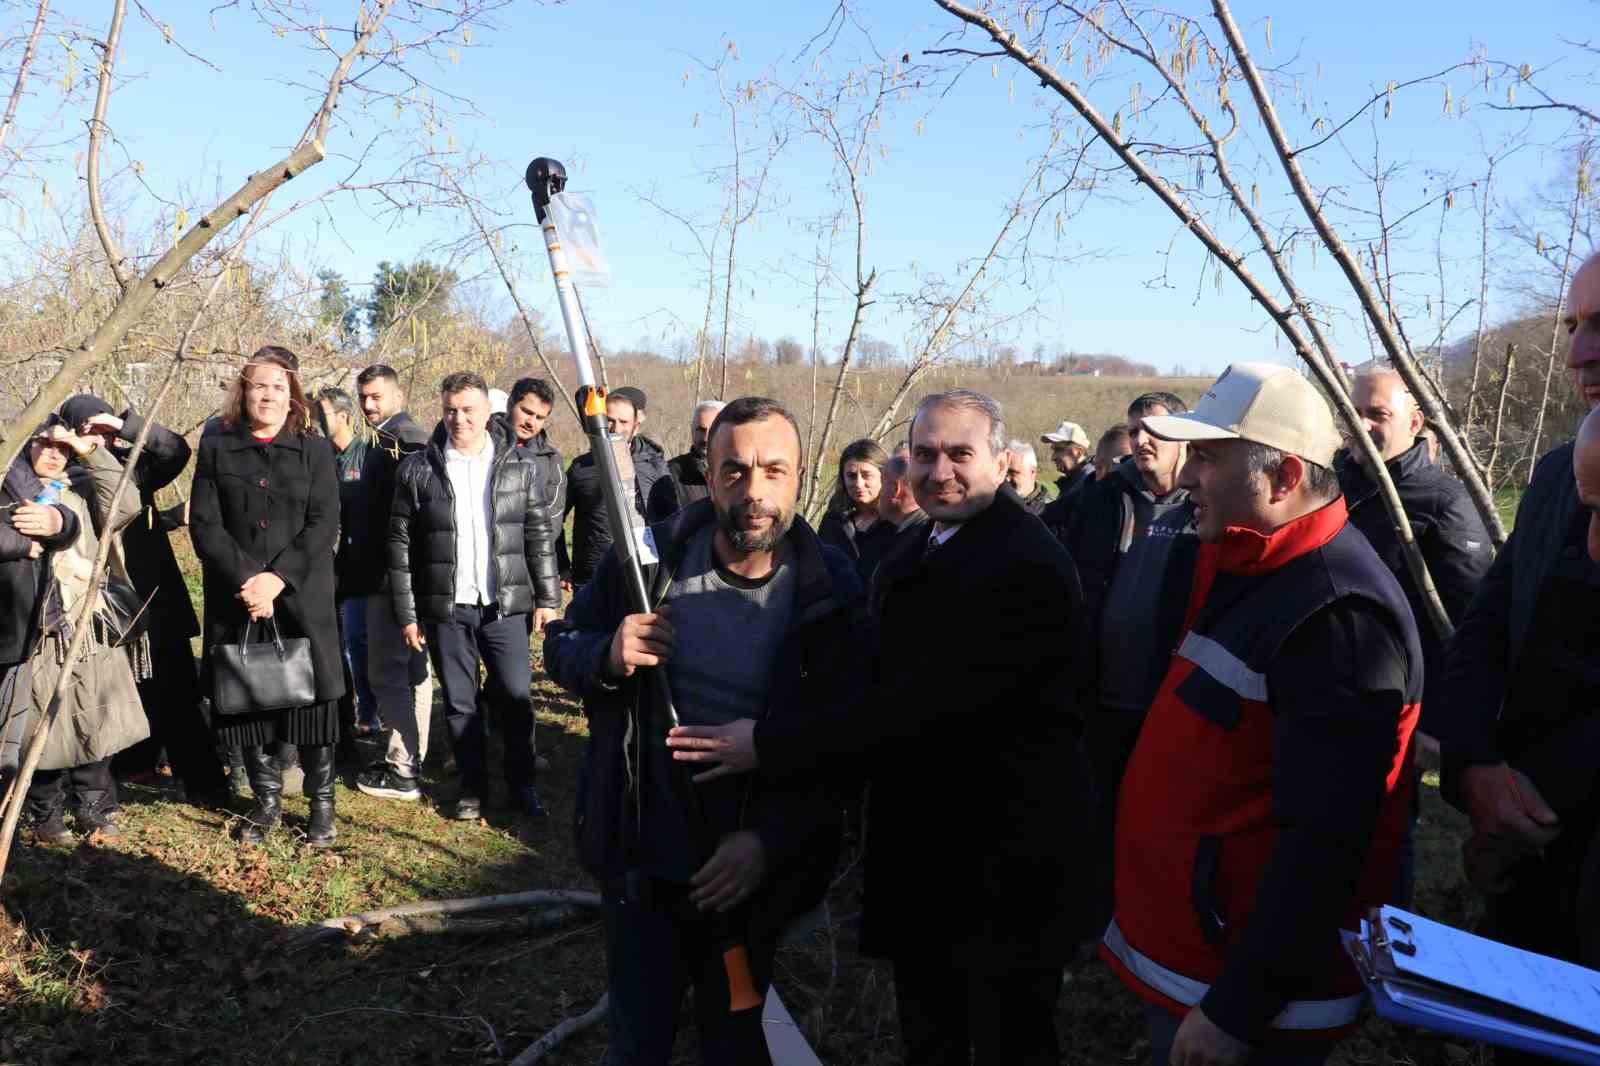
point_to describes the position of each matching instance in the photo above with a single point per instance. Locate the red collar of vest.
(1247, 553)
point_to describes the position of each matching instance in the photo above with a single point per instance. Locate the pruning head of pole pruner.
(545, 178)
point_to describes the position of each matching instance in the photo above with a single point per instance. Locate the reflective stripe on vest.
(1225, 666)
(1299, 1014)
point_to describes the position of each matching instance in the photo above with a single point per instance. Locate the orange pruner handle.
(594, 401)
(742, 994)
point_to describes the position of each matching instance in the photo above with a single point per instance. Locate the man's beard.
(750, 540)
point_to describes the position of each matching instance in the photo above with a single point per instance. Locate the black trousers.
(86, 787)
(952, 1016)
(1109, 735)
(171, 699)
(500, 642)
(657, 946)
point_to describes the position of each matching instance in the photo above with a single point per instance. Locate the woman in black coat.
(265, 518)
(851, 523)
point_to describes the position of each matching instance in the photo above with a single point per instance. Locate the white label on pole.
(644, 547)
(573, 214)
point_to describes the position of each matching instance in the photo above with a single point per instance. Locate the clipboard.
(1431, 976)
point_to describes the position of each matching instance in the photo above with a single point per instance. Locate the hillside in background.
(1033, 402)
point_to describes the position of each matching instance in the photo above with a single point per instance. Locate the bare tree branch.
(15, 98)
(536, 1051)
(511, 287)
(97, 129)
(1500, 415)
(1283, 317)
(1555, 324)
(137, 299)
(1398, 354)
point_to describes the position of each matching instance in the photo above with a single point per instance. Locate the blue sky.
(602, 86)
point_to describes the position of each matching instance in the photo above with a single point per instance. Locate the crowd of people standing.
(1168, 713)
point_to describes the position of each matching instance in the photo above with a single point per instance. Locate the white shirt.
(942, 532)
(469, 483)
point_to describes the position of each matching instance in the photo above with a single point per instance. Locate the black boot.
(238, 776)
(318, 765)
(95, 799)
(44, 809)
(266, 781)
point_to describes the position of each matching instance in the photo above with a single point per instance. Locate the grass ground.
(166, 946)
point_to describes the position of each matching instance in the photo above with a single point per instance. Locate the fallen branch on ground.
(353, 924)
(546, 1043)
(530, 921)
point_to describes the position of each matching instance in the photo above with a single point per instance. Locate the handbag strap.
(269, 627)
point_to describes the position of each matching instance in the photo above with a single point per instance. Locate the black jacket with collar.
(23, 578)
(269, 506)
(682, 484)
(1482, 705)
(865, 547)
(1454, 544)
(422, 534)
(152, 567)
(591, 529)
(1070, 488)
(363, 561)
(990, 874)
(405, 430)
(818, 671)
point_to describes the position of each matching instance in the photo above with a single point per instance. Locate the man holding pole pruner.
(750, 618)
(731, 607)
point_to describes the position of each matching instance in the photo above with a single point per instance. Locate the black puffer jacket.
(22, 578)
(591, 530)
(422, 534)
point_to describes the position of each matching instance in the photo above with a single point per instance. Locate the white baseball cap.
(1263, 403)
(1067, 433)
(499, 400)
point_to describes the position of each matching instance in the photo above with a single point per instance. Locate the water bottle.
(51, 493)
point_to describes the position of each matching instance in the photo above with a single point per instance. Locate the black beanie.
(81, 408)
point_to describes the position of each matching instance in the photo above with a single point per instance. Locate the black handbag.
(268, 675)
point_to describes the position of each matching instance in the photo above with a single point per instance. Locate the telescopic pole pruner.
(546, 178)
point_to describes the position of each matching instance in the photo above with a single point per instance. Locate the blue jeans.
(353, 637)
(1163, 1027)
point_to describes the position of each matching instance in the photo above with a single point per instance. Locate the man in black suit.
(976, 893)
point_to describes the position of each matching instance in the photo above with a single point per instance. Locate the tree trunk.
(1483, 306)
(1499, 416)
